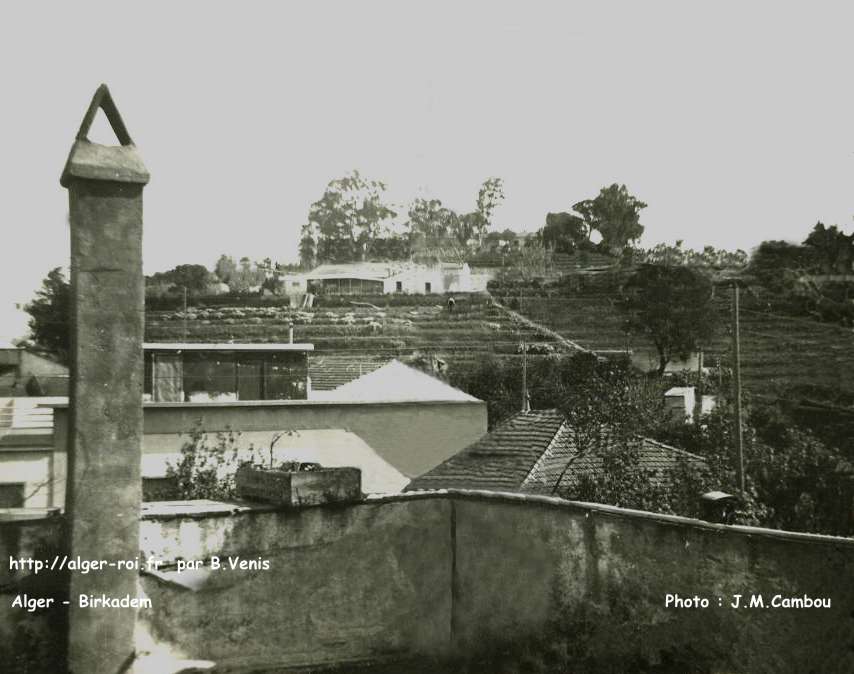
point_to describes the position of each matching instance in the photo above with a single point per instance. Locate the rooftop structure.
(530, 452)
(31, 372)
(187, 372)
(395, 382)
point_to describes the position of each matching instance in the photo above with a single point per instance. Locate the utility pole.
(736, 349)
(526, 403)
(185, 312)
(698, 405)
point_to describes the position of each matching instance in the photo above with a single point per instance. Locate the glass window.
(285, 376)
(12, 495)
(210, 376)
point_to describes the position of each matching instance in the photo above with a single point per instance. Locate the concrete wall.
(441, 575)
(412, 437)
(345, 584)
(31, 466)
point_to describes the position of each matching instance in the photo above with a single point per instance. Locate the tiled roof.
(529, 452)
(500, 460)
(329, 372)
(562, 458)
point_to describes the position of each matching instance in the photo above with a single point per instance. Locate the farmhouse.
(377, 278)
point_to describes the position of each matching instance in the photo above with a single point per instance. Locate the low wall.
(452, 574)
(445, 575)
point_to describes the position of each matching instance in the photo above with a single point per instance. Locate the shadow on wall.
(497, 583)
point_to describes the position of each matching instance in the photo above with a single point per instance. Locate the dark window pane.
(250, 371)
(285, 376)
(12, 495)
(210, 376)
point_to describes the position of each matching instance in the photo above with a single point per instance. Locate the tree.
(225, 268)
(534, 260)
(672, 306)
(488, 198)
(345, 221)
(246, 277)
(50, 315)
(307, 248)
(615, 214)
(564, 232)
(431, 219)
(194, 277)
(833, 248)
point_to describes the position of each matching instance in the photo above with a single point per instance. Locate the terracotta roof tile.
(500, 460)
(529, 452)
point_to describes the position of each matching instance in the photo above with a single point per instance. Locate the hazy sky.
(732, 120)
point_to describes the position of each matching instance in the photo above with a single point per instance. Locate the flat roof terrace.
(225, 346)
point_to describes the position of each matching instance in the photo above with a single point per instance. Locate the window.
(427, 287)
(209, 377)
(12, 495)
(398, 287)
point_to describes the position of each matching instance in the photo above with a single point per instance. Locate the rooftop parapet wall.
(434, 574)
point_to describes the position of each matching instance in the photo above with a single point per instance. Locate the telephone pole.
(526, 403)
(736, 348)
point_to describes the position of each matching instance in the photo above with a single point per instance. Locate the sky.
(731, 120)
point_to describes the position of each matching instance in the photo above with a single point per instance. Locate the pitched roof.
(561, 465)
(500, 460)
(396, 382)
(530, 452)
(329, 372)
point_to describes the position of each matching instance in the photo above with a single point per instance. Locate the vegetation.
(50, 315)
(194, 277)
(672, 306)
(615, 214)
(209, 463)
(345, 223)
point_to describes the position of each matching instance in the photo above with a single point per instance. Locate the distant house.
(533, 452)
(29, 372)
(378, 278)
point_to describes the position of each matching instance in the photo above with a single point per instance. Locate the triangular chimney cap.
(91, 161)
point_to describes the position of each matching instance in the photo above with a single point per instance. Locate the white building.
(378, 278)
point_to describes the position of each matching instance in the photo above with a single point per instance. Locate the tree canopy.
(672, 306)
(346, 221)
(564, 232)
(194, 277)
(615, 214)
(50, 315)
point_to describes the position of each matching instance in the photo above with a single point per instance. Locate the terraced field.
(476, 326)
(777, 351)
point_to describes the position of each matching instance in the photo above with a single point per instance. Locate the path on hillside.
(516, 316)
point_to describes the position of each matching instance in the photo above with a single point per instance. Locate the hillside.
(393, 326)
(777, 351)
